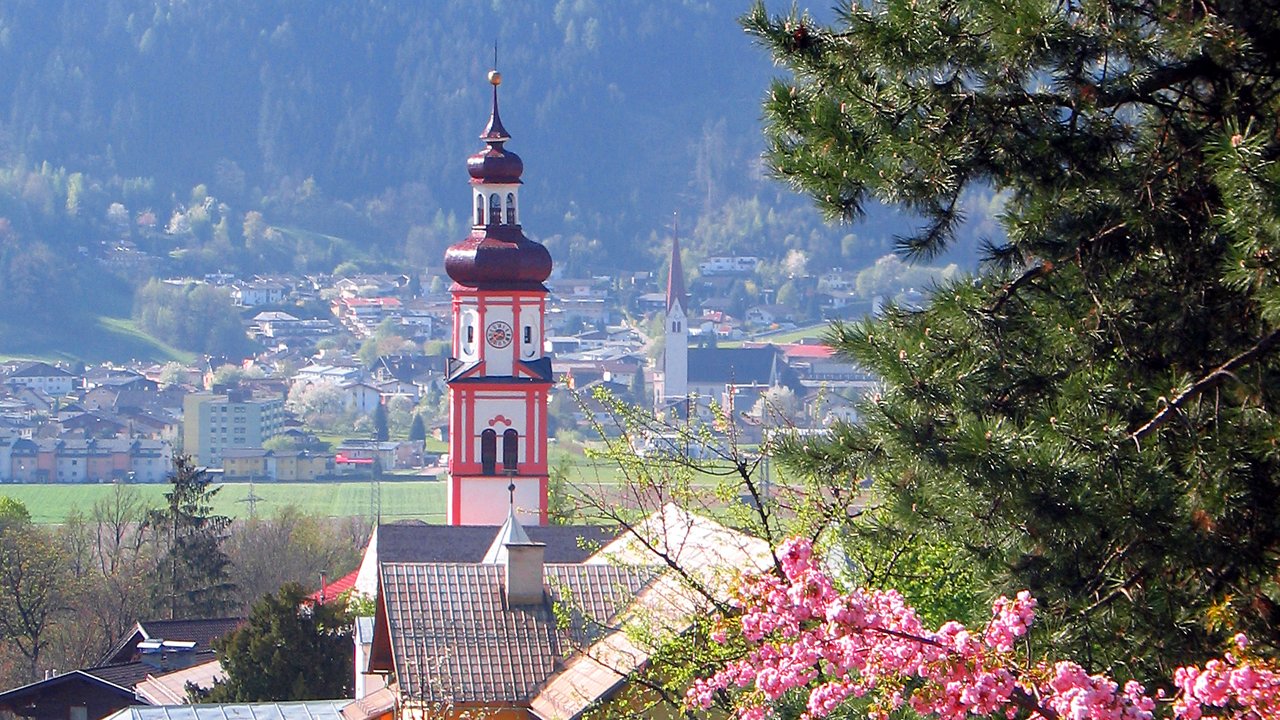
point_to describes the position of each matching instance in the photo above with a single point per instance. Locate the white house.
(44, 377)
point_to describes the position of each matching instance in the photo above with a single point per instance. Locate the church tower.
(675, 355)
(498, 375)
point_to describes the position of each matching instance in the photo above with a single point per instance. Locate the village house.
(257, 464)
(390, 454)
(42, 376)
(332, 374)
(370, 285)
(362, 315)
(51, 460)
(258, 292)
(153, 663)
(737, 265)
(490, 637)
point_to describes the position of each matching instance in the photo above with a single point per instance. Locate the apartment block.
(212, 423)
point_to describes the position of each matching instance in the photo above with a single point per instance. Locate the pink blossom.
(804, 635)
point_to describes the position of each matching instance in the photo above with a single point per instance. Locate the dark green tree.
(639, 393)
(418, 430)
(196, 570)
(380, 429)
(292, 648)
(1093, 416)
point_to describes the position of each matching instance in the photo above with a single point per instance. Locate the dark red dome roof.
(498, 257)
(495, 165)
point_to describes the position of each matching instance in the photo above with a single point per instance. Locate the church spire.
(675, 280)
(675, 353)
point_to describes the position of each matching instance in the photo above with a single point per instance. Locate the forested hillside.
(259, 135)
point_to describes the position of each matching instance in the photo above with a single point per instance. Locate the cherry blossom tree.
(802, 639)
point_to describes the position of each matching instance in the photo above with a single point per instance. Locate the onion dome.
(495, 164)
(498, 257)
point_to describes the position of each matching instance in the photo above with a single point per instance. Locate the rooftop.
(454, 638)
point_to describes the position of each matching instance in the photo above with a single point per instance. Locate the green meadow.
(402, 496)
(400, 499)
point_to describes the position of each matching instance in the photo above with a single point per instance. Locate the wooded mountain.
(346, 127)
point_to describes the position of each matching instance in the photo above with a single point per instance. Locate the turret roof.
(675, 280)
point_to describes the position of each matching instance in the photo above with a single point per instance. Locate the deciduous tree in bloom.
(804, 637)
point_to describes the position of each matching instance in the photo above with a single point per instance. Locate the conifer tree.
(1093, 416)
(291, 648)
(380, 429)
(639, 393)
(195, 568)
(418, 430)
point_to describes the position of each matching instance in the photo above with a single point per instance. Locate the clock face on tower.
(498, 334)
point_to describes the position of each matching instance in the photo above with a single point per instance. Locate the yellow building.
(248, 464)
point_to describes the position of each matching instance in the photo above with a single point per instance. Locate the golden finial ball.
(495, 77)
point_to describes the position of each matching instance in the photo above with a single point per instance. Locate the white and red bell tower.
(498, 375)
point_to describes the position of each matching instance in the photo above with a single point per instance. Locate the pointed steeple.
(494, 132)
(675, 280)
(675, 353)
(511, 533)
(523, 561)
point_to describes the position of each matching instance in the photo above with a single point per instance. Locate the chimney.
(524, 572)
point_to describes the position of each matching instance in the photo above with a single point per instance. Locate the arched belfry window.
(511, 208)
(479, 209)
(495, 209)
(510, 449)
(489, 452)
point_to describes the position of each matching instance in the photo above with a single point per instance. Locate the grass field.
(809, 332)
(401, 499)
(88, 329)
(88, 339)
(402, 496)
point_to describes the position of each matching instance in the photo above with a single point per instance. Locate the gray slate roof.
(418, 542)
(202, 632)
(736, 365)
(39, 369)
(454, 639)
(128, 674)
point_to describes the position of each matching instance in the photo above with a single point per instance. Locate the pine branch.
(1011, 288)
(1208, 382)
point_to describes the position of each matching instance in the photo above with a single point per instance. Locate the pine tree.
(418, 430)
(1093, 416)
(195, 568)
(380, 429)
(639, 393)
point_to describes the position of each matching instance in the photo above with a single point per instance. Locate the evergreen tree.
(637, 389)
(290, 649)
(196, 570)
(418, 430)
(380, 429)
(1093, 416)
